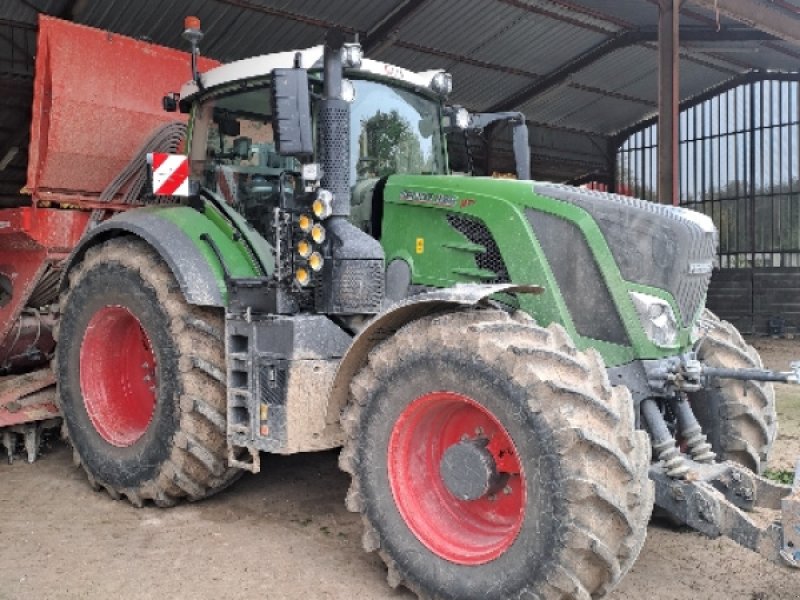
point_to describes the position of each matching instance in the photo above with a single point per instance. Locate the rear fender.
(391, 320)
(178, 234)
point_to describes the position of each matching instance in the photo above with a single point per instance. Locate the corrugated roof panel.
(231, 33)
(14, 10)
(250, 40)
(361, 15)
(574, 12)
(638, 13)
(761, 56)
(605, 115)
(459, 26)
(556, 104)
(160, 22)
(633, 12)
(538, 44)
(701, 15)
(413, 60)
(621, 68)
(696, 78)
(478, 88)
(584, 110)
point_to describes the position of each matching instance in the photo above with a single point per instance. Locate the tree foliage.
(389, 145)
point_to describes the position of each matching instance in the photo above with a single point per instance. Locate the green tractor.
(516, 371)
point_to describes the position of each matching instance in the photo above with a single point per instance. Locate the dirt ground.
(286, 534)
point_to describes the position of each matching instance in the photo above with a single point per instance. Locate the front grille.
(477, 233)
(652, 244)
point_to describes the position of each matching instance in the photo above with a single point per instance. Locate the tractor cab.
(394, 130)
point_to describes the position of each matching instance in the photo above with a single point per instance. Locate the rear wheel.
(738, 417)
(141, 379)
(490, 459)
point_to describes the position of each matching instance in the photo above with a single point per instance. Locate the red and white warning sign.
(170, 174)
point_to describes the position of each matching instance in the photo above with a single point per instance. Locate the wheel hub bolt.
(469, 471)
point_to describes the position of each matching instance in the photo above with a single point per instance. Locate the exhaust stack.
(334, 128)
(353, 272)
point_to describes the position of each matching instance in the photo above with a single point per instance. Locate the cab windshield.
(233, 152)
(393, 131)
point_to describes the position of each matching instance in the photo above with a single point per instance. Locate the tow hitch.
(726, 499)
(717, 498)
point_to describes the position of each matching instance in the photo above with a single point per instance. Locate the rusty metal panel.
(97, 96)
(29, 397)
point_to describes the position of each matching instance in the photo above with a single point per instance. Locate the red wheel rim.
(467, 532)
(118, 375)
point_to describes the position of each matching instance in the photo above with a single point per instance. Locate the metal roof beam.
(562, 74)
(385, 33)
(783, 22)
(285, 14)
(727, 34)
(459, 58)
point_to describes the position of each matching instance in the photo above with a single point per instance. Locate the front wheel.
(738, 417)
(141, 379)
(490, 459)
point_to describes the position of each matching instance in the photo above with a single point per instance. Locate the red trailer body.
(97, 98)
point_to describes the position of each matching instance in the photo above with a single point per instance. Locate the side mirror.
(519, 129)
(170, 102)
(291, 112)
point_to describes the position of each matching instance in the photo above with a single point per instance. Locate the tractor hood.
(666, 247)
(597, 254)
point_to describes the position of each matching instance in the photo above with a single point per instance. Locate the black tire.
(585, 467)
(738, 417)
(182, 450)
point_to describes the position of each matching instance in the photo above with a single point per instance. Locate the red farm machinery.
(96, 107)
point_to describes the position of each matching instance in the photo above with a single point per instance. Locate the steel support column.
(668, 100)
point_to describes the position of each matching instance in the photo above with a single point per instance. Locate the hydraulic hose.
(133, 177)
(130, 182)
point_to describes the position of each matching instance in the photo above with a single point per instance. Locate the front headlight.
(658, 319)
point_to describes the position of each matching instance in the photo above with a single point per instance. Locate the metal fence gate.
(739, 164)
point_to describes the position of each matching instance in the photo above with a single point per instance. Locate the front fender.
(175, 233)
(396, 316)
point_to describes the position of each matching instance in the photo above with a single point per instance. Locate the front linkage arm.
(687, 374)
(792, 376)
(719, 499)
(724, 499)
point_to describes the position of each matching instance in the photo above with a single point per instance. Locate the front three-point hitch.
(716, 498)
